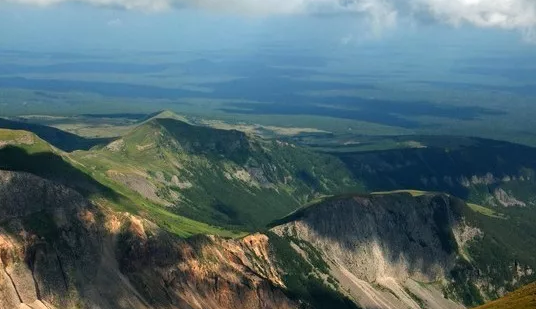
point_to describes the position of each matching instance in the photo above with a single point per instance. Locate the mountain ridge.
(194, 169)
(63, 140)
(401, 249)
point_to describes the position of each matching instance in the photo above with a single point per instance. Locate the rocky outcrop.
(59, 250)
(506, 199)
(202, 272)
(388, 251)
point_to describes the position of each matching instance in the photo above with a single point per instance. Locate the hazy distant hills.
(487, 172)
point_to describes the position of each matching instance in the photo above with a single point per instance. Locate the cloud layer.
(506, 14)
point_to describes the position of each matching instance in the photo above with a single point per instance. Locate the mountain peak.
(166, 114)
(172, 135)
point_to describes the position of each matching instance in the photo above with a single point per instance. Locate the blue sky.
(245, 24)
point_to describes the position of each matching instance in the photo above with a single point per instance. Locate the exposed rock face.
(58, 250)
(116, 145)
(506, 200)
(138, 183)
(390, 242)
(382, 236)
(203, 272)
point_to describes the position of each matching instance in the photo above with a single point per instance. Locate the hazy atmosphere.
(260, 154)
(398, 65)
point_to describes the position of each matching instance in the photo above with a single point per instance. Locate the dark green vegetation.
(504, 254)
(472, 169)
(463, 287)
(523, 298)
(509, 245)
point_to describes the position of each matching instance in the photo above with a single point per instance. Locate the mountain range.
(177, 215)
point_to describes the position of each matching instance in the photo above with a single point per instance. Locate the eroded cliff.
(58, 250)
(387, 251)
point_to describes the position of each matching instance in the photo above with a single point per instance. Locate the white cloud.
(509, 14)
(115, 22)
(506, 14)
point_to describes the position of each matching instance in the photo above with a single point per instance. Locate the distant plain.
(102, 94)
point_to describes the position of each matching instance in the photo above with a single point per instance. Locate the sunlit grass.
(486, 211)
(414, 193)
(524, 298)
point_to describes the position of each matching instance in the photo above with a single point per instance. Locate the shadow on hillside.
(68, 251)
(72, 258)
(415, 234)
(393, 235)
(53, 167)
(441, 169)
(60, 139)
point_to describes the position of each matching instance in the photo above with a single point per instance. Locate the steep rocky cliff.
(58, 250)
(395, 250)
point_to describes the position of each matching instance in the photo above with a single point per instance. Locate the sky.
(242, 24)
(441, 50)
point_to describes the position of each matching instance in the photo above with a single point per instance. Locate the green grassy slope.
(523, 298)
(24, 151)
(198, 180)
(222, 177)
